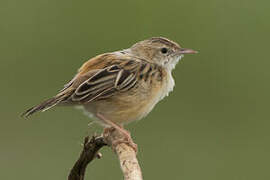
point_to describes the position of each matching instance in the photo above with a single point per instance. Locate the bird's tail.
(49, 103)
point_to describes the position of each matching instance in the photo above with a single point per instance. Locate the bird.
(122, 86)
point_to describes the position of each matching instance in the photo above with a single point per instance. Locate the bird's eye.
(164, 50)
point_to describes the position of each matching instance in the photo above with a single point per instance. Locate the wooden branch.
(89, 152)
(126, 155)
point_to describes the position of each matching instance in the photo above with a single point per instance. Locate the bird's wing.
(102, 77)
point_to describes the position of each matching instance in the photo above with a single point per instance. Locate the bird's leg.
(128, 140)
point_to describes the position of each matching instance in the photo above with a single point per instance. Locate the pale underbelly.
(121, 112)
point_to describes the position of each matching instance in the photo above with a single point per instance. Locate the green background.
(214, 126)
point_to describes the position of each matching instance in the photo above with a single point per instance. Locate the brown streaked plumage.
(122, 86)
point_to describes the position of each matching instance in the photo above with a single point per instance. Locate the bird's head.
(161, 51)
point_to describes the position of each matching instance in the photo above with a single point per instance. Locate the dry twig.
(126, 155)
(89, 152)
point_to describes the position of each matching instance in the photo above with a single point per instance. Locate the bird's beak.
(187, 51)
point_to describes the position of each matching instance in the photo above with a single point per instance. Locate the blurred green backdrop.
(214, 126)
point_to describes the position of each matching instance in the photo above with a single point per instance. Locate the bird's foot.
(126, 138)
(129, 142)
